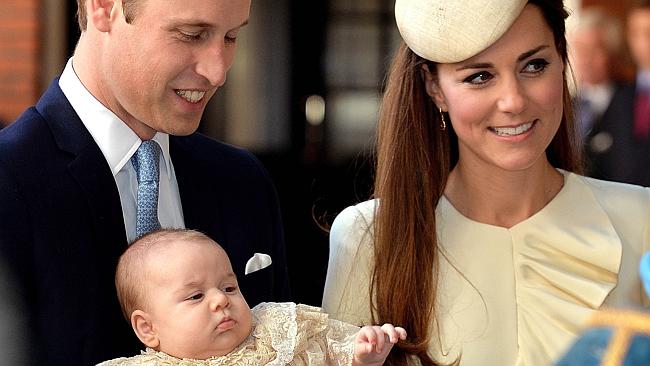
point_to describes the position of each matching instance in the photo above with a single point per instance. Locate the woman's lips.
(513, 131)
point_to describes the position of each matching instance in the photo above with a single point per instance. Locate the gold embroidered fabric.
(283, 334)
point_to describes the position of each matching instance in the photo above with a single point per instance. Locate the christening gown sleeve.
(302, 335)
(347, 286)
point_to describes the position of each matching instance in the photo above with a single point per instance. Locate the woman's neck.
(502, 198)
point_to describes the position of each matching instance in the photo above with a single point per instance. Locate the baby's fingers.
(369, 336)
(394, 333)
(402, 333)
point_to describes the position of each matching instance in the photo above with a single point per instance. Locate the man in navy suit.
(618, 146)
(142, 70)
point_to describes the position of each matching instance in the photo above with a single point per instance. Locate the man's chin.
(184, 130)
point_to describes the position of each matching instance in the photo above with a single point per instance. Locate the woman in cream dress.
(484, 241)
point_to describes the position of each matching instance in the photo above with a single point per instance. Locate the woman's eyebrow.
(487, 65)
(480, 65)
(527, 54)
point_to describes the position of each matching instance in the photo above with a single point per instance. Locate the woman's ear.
(101, 13)
(143, 327)
(431, 85)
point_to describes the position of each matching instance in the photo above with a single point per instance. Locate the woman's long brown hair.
(414, 159)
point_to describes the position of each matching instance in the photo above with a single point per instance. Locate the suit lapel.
(200, 210)
(87, 165)
(101, 193)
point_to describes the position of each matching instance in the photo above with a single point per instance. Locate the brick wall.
(19, 56)
(616, 8)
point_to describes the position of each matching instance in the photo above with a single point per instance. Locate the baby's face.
(193, 298)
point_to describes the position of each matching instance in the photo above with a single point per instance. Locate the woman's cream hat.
(448, 31)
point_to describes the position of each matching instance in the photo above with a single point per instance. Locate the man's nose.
(214, 62)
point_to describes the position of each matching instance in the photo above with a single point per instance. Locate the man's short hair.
(595, 18)
(129, 6)
(130, 275)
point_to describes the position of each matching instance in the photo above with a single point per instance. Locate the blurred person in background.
(594, 48)
(618, 146)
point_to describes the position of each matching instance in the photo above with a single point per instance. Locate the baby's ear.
(143, 327)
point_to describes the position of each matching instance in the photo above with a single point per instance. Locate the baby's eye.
(478, 78)
(230, 289)
(198, 296)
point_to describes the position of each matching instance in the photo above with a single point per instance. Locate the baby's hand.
(373, 343)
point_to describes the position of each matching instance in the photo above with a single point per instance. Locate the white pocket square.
(257, 262)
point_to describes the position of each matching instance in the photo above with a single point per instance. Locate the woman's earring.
(443, 123)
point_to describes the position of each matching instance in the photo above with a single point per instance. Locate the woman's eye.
(478, 78)
(535, 66)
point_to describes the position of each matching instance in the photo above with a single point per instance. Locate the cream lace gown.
(513, 296)
(283, 334)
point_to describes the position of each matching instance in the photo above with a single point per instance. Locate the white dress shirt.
(643, 80)
(599, 96)
(118, 143)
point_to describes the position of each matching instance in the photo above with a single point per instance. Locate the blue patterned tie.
(145, 161)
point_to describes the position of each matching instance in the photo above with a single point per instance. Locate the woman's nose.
(512, 98)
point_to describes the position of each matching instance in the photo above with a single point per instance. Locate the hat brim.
(449, 31)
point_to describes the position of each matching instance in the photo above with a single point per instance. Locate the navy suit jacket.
(62, 229)
(613, 152)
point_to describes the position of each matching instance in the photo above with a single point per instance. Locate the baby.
(178, 290)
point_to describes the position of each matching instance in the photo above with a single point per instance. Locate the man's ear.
(431, 85)
(101, 13)
(143, 327)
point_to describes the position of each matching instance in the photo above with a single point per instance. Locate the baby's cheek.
(248, 322)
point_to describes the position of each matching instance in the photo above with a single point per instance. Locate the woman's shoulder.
(619, 197)
(627, 208)
(614, 187)
(359, 216)
(353, 225)
(364, 210)
(345, 296)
